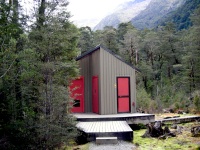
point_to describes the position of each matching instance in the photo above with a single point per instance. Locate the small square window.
(77, 103)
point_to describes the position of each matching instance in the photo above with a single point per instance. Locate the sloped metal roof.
(109, 51)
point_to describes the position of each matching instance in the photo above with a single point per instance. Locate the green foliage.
(130, 46)
(181, 17)
(55, 42)
(86, 39)
(144, 101)
(107, 38)
(196, 101)
(35, 71)
(168, 60)
(36, 68)
(156, 11)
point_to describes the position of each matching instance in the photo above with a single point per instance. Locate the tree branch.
(7, 70)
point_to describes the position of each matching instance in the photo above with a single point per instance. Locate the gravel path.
(121, 145)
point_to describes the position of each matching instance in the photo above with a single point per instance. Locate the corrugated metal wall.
(111, 68)
(96, 72)
(90, 66)
(107, 67)
(85, 72)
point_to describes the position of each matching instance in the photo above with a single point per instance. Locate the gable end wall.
(111, 68)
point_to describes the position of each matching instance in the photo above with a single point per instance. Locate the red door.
(77, 93)
(95, 94)
(123, 94)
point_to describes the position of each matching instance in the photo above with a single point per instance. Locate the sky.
(85, 12)
(90, 12)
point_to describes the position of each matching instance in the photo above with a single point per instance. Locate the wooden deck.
(114, 125)
(181, 119)
(130, 118)
(104, 127)
(119, 129)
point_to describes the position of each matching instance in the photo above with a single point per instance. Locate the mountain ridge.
(142, 13)
(123, 13)
(155, 12)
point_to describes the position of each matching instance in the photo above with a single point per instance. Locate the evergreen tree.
(54, 39)
(86, 40)
(130, 46)
(11, 105)
(35, 72)
(107, 38)
(191, 59)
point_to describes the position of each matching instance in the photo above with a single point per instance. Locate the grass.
(182, 141)
(76, 147)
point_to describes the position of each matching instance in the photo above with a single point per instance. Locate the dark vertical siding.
(85, 72)
(111, 68)
(89, 67)
(95, 71)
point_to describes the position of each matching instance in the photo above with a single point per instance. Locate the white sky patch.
(90, 12)
(83, 12)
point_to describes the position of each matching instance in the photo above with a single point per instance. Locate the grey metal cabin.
(107, 83)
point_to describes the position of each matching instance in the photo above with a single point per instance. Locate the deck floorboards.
(93, 115)
(130, 118)
(104, 127)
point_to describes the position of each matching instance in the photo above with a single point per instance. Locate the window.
(77, 103)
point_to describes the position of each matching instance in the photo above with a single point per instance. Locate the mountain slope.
(181, 17)
(123, 13)
(142, 13)
(156, 10)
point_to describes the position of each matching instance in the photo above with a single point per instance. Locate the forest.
(37, 64)
(168, 60)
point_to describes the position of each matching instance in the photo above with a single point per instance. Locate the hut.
(107, 84)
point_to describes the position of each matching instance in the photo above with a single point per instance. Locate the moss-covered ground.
(183, 141)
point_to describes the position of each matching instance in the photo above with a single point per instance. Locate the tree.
(11, 107)
(86, 40)
(107, 38)
(54, 39)
(36, 69)
(130, 46)
(191, 59)
(123, 29)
